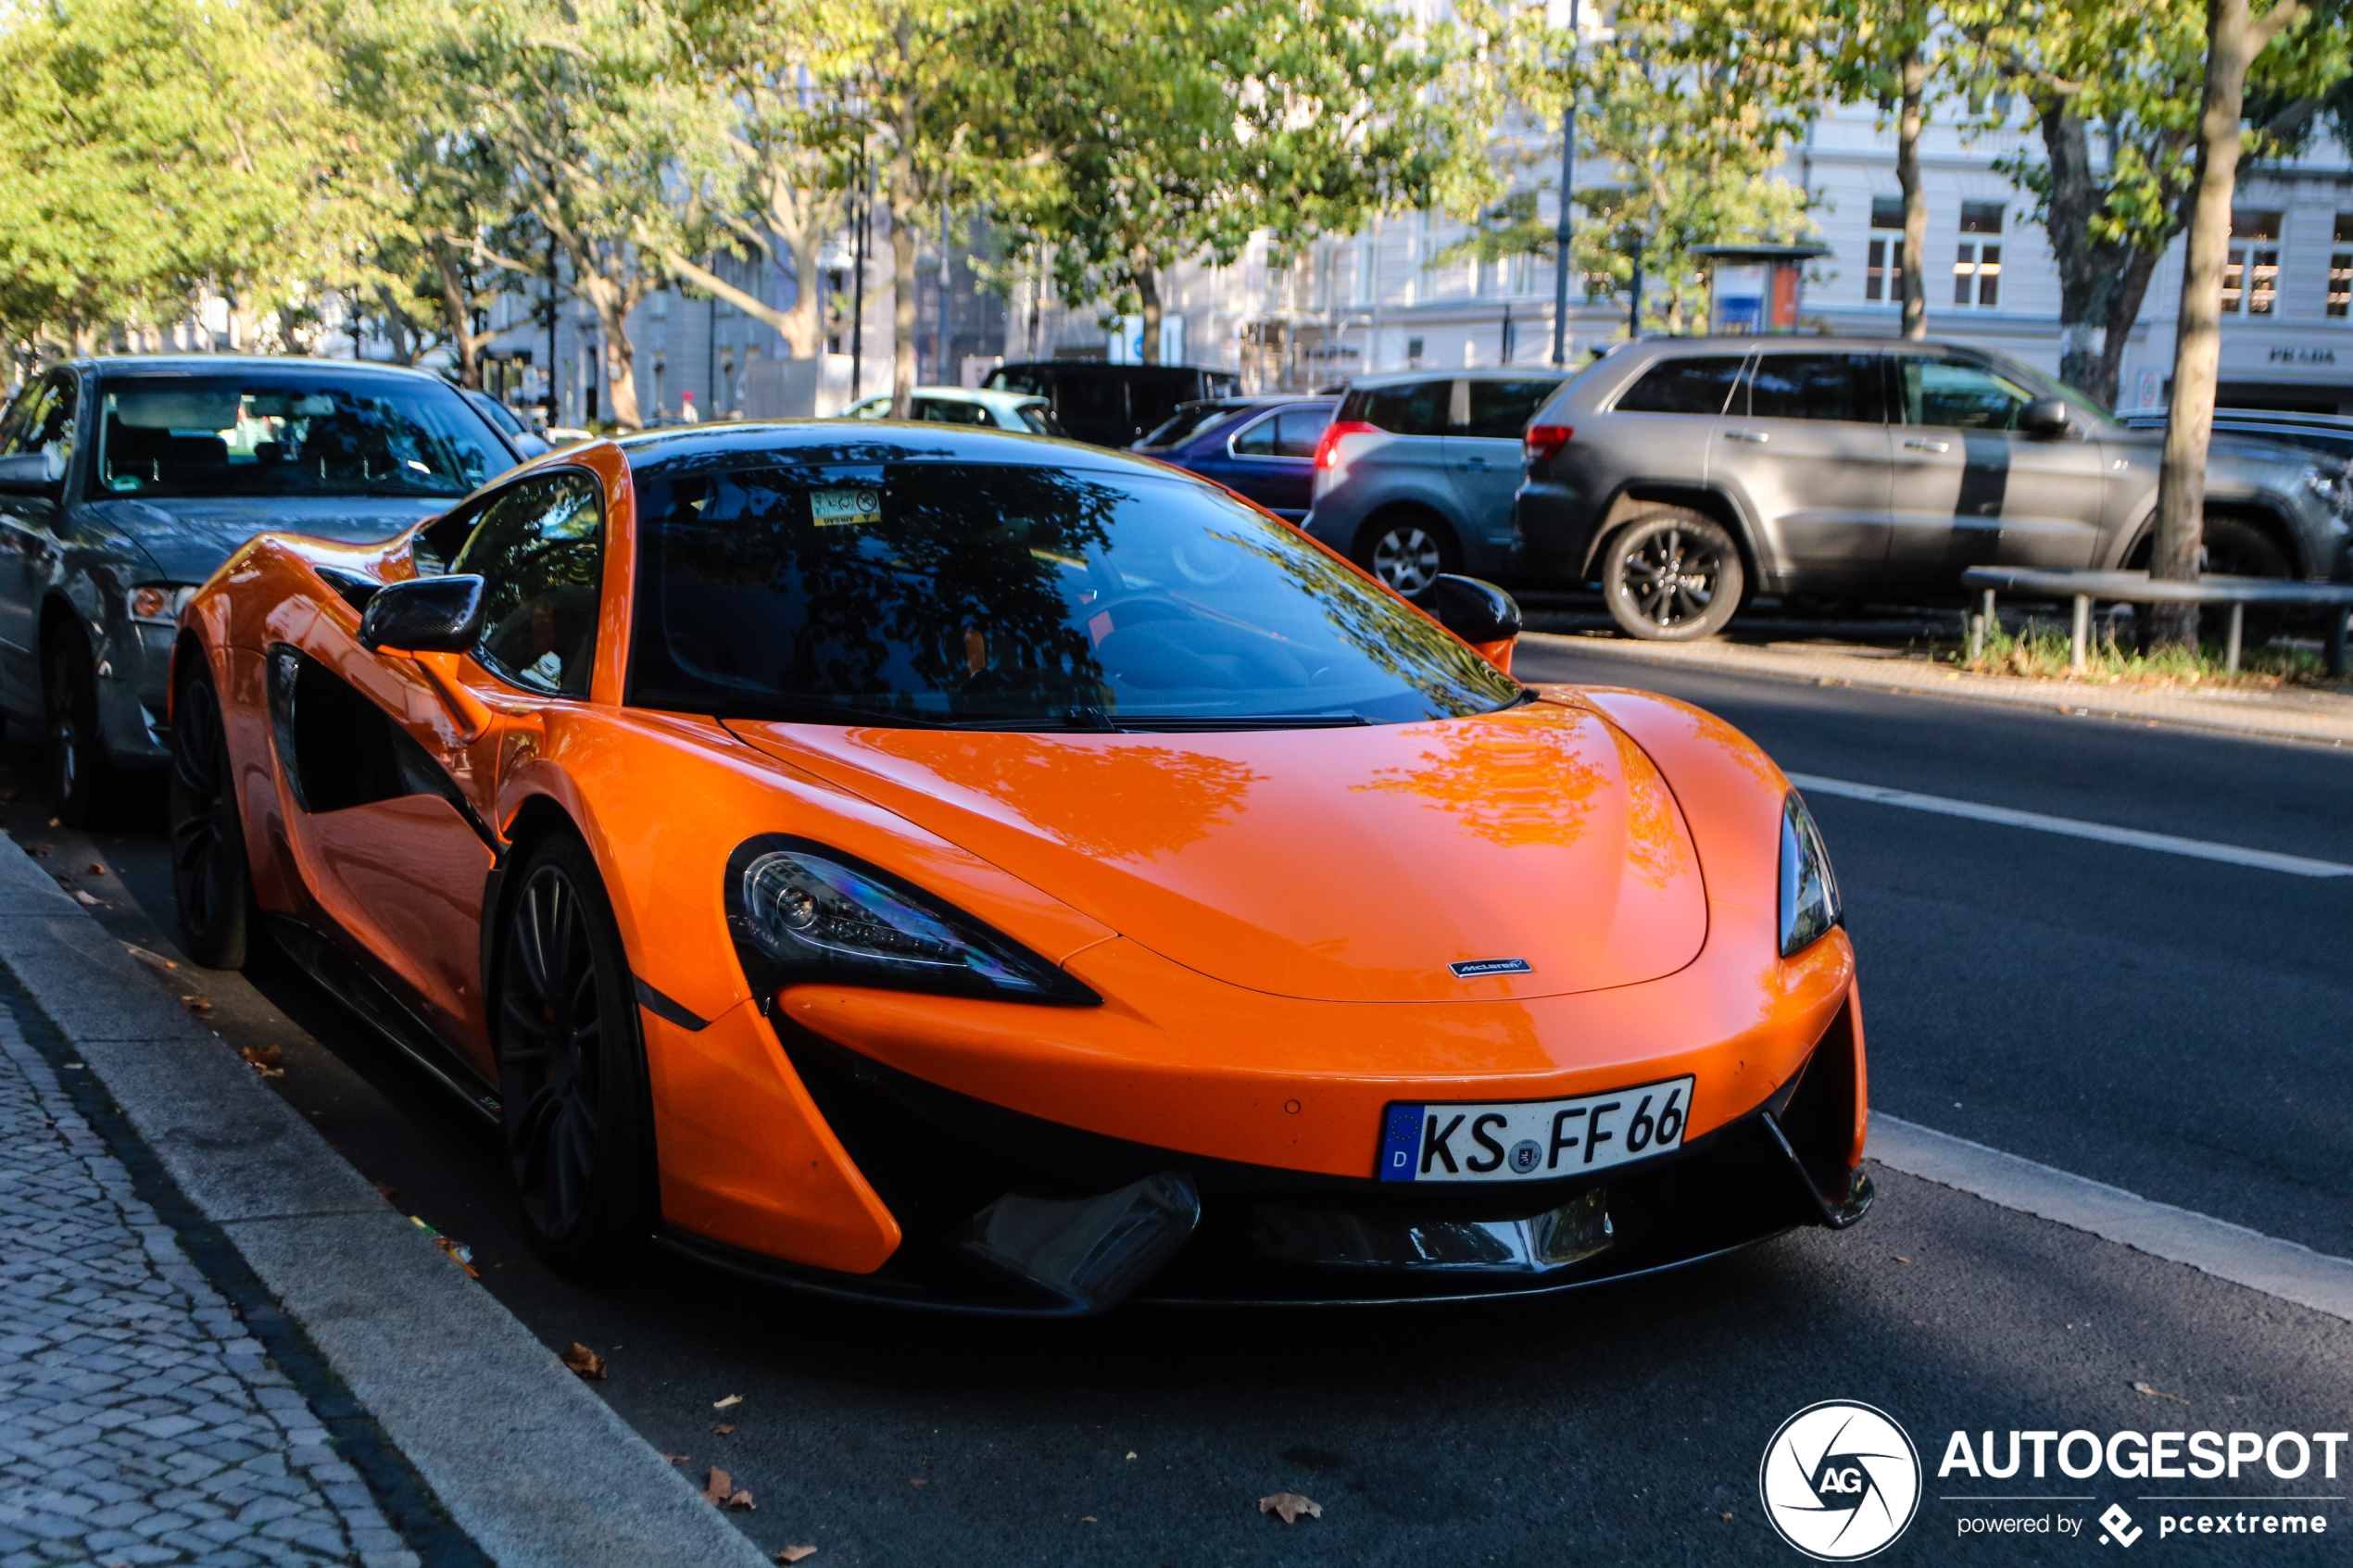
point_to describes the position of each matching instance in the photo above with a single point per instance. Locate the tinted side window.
(1258, 441)
(1502, 409)
(1697, 385)
(1815, 387)
(1957, 395)
(1416, 409)
(41, 419)
(540, 551)
(1298, 429)
(943, 410)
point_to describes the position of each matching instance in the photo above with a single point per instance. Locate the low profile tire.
(212, 879)
(1407, 550)
(572, 1067)
(82, 785)
(1671, 576)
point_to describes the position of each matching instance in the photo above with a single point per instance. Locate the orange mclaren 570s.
(973, 870)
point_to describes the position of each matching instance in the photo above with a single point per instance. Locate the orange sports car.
(982, 870)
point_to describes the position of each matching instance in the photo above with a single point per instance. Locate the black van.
(1113, 405)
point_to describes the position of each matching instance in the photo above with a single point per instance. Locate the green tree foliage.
(1180, 128)
(148, 147)
(1693, 106)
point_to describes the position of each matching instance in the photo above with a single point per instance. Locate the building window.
(2341, 268)
(1883, 278)
(1977, 264)
(2251, 271)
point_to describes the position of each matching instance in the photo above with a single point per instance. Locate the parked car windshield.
(1189, 420)
(923, 592)
(264, 434)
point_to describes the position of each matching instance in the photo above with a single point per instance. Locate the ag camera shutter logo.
(1840, 1481)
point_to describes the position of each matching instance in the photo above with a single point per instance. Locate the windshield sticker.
(845, 508)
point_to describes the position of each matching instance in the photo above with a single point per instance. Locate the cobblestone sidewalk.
(139, 1422)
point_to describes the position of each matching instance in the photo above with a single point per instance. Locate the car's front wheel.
(1672, 575)
(572, 1066)
(81, 778)
(1408, 550)
(210, 877)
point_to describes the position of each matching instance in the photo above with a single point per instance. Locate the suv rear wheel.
(1671, 576)
(1407, 550)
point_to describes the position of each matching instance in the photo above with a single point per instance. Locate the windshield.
(935, 593)
(1040, 418)
(1190, 420)
(277, 435)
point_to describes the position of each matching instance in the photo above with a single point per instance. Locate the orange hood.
(1338, 865)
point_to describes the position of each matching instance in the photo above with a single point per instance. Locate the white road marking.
(2285, 1269)
(2165, 843)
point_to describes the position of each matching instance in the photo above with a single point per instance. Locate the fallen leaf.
(98, 870)
(725, 1493)
(918, 1481)
(38, 851)
(387, 1189)
(1901, 1258)
(55, 820)
(264, 1059)
(1088, 1519)
(145, 957)
(585, 1361)
(730, 1400)
(723, 1429)
(201, 1004)
(1288, 1506)
(1726, 1517)
(1131, 1453)
(87, 902)
(795, 1553)
(2157, 1393)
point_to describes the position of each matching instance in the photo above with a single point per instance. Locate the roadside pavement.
(2287, 713)
(219, 1344)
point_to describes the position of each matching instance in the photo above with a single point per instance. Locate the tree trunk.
(902, 295)
(2083, 281)
(2233, 40)
(1147, 292)
(455, 308)
(1913, 70)
(621, 358)
(2123, 310)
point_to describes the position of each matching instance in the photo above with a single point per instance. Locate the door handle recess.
(1921, 444)
(1747, 435)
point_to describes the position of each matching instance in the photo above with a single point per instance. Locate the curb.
(528, 1463)
(2271, 717)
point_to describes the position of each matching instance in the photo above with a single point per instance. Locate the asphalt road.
(2166, 1024)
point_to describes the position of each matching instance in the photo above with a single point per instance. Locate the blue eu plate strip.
(1401, 1141)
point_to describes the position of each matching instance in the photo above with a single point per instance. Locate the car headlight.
(799, 912)
(1809, 891)
(161, 603)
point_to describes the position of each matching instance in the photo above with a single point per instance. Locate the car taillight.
(1544, 441)
(1333, 431)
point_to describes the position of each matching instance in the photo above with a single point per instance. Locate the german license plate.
(1532, 1140)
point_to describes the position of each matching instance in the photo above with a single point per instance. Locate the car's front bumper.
(1005, 1213)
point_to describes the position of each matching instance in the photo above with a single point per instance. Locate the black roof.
(741, 443)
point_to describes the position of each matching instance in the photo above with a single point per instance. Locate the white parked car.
(1023, 412)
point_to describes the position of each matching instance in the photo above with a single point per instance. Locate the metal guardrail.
(2138, 587)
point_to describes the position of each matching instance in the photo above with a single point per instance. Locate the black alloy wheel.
(1406, 552)
(1672, 575)
(80, 782)
(572, 1067)
(210, 878)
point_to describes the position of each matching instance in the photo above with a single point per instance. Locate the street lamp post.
(1561, 233)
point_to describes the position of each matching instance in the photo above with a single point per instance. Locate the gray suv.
(1415, 475)
(125, 482)
(1686, 474)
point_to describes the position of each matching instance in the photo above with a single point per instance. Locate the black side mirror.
(32, 473)
(1478, 612)
(2047, 417)
(426, 615)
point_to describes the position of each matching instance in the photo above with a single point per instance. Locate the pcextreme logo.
(1840, 1481)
